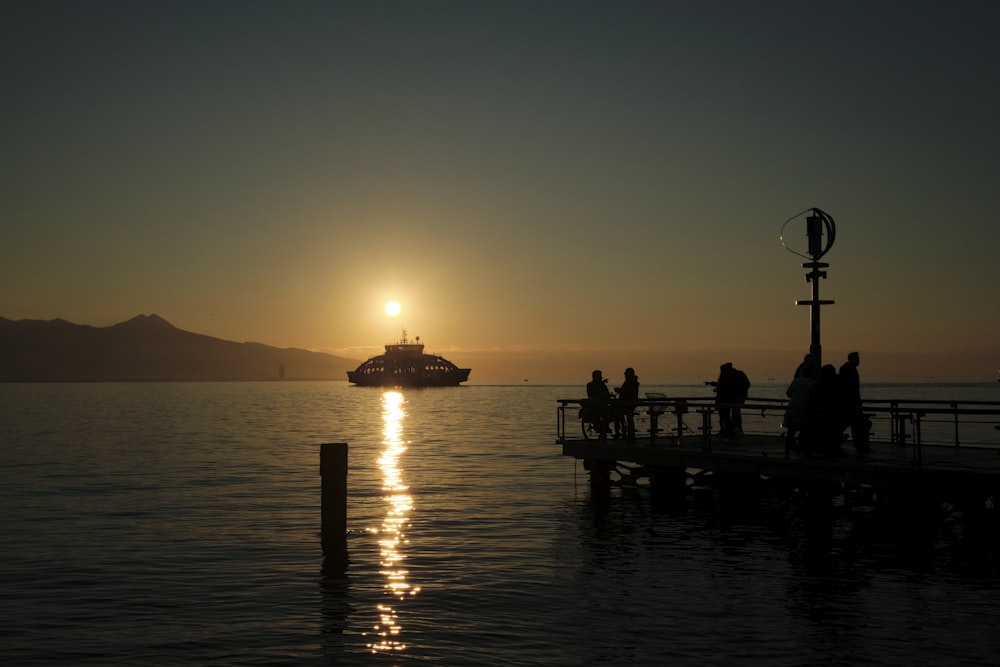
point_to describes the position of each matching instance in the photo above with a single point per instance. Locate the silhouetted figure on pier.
(850, 385)
(799, 394)
(808, 363)
(731, 390)
(823, 432)
(597, 408)
(628, 394)
(597, 388)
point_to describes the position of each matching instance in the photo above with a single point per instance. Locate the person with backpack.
(731, 391)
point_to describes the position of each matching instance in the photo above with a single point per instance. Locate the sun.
(392, 308)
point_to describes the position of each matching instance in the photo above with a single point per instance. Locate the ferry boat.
(404, 364)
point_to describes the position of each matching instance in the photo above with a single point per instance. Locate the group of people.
(732, 389)
(822, 405)
(623, 420)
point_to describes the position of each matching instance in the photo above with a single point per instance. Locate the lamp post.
(817, 222)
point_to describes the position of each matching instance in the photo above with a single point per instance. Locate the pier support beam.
(333, 470)
(600, 476)
(908, 513)
(739, 494)
(668, 486)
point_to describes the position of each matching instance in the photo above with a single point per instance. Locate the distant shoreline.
(171, 380)
(700, 384)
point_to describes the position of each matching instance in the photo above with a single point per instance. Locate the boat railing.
(902, 423)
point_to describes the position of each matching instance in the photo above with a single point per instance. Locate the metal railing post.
(894, 424)
(680, 408)
(954, 406)
(706, 430)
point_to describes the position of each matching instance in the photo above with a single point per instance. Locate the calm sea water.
(179, 523)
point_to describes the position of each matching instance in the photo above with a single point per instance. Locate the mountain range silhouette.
(148, 348)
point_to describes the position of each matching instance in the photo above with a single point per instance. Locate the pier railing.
(695, 419)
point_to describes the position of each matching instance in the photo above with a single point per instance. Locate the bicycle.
(603, 414)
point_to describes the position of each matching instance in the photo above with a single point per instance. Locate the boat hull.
(449, 379)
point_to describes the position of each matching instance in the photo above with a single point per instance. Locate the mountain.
(144, 348)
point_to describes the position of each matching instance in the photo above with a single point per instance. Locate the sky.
(545, 187)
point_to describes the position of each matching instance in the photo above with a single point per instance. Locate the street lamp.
(817, 222)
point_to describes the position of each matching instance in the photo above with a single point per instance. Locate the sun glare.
(392, 308)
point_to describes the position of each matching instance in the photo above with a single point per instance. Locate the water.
(178, 523)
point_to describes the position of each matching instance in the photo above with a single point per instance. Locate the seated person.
(598, 392)
(628, 393)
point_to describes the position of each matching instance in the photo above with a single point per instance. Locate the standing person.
(850, 386)
(628, 394)
(599, 395)
(731, 390)
(798, 393)
(825, 423)
(808, 363)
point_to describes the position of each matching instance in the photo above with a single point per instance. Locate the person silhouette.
(850, 387)
(628, 394)
(808, 363)
(731, 390)
(598, 396)
(825, 423)
(799, 393)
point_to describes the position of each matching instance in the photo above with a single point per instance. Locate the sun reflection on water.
(392, 534)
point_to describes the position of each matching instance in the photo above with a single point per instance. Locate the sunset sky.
(545, 187)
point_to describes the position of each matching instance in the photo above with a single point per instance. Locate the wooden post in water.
(333, 470)
(667, 486)
(600, 477)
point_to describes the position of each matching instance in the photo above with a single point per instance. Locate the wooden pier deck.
(946, 448)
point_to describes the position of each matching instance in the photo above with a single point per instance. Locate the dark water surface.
(178, 523)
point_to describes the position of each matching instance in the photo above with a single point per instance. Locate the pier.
(934, 448)
(914, 456)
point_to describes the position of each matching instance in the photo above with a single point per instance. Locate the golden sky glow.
(546, 187)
